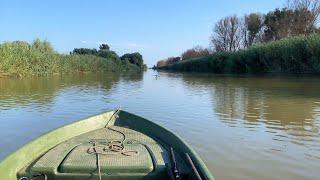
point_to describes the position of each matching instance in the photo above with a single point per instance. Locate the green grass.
(293, 55)
(20, 59)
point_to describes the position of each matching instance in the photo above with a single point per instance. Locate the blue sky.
(156, 29)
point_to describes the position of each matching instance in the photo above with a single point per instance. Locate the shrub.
(195, 52)
(133, 58)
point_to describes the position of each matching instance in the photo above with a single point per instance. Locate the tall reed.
(20, 59)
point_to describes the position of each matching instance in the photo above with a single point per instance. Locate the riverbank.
(19, 59)
(292, 55)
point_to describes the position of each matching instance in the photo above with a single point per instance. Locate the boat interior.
(112, 152)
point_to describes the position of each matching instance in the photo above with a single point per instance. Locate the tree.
(172, 60)
(277, 24)
(234, 34)
(299, 17)
(227, 34)
(134, 58)
(84, 51)
(253, 24)
(108, 54)
(104, 47)
(105, 52)
(305, 15)
(219, 38)
(197, 51)
(168, 61)
(161, 63)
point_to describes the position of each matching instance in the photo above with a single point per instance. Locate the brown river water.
(243, 127)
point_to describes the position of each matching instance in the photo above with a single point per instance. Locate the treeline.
(105, 52)
(235, 34)
(197, 51)
(300, 54)
(19, 58)
(298, 17)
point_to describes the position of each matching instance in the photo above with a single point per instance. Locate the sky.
(156, 29)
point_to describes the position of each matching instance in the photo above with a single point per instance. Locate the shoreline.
(296, 55)
(271, 73)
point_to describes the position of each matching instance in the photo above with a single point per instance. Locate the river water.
(243, 127)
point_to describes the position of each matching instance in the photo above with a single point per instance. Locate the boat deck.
(117, 152)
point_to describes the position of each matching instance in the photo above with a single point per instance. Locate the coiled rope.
(35, 177)
(110, 148)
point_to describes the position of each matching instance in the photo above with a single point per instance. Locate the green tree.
(104, 47)
(253, 24)
(84, 51)
(276, 24)
(108, 54)
(105, 52)
(134, 58)
(298, 18)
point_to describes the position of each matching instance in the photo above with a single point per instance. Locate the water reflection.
(42, 90)
(32, 106)
(278, 104)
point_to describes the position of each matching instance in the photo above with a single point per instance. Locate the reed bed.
(299, 54)
(19, 58)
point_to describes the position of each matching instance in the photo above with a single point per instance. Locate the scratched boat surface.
(111, 145)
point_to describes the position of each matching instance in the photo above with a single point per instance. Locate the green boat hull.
(78, 151)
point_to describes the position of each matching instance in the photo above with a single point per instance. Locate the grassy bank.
(20, 59)
(293, 55)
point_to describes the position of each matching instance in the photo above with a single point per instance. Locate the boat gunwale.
(10, 165)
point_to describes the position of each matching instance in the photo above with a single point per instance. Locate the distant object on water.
(156, 75)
